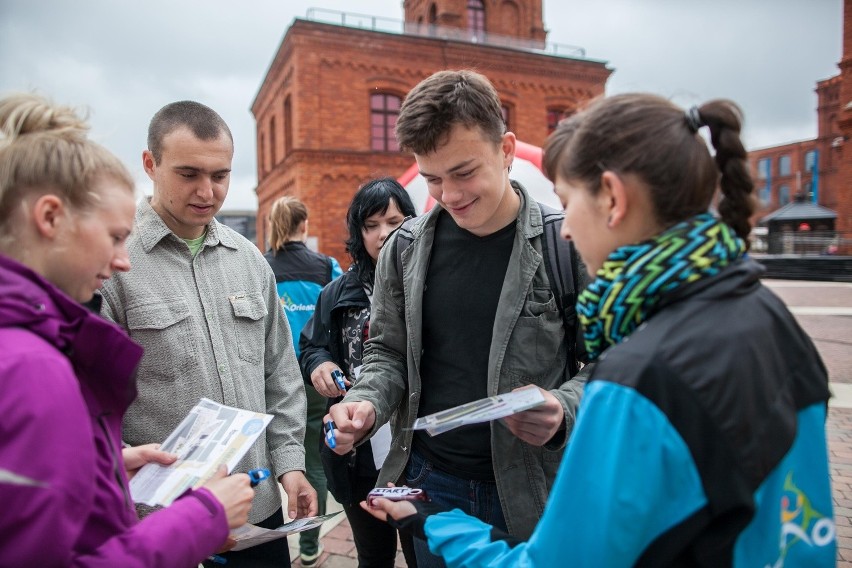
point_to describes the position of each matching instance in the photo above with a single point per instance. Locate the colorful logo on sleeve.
(801, 524)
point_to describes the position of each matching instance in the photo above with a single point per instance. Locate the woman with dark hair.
(332, 342)
(700, 440)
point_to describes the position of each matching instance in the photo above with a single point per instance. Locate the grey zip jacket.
(528, 347)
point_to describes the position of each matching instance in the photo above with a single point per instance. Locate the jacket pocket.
(249, 311)
(164, 328)
(534, 347)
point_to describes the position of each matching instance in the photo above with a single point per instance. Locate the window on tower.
(554, 115)
(384, 110)
(476, 19)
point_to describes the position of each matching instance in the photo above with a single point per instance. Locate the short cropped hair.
(443, 100)
(203, 121)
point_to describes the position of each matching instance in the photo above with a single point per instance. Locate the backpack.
(565, 272)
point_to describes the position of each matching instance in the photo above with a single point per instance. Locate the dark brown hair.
(650, 137)
(443, 100)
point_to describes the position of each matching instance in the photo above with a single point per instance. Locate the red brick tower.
(326, 108)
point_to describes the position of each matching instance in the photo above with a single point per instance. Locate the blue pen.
(258, 475)
(218, 559)
(337, 375)
(329, 434)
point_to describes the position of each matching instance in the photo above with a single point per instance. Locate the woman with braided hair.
(701, 436)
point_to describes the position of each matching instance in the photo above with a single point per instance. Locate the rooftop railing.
(389, 25)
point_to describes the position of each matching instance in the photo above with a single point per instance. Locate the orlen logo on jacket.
(801, 524)
(290, 306)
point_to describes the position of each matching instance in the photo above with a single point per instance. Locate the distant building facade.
(819, 169)
(326, 110)
(242, 221)
(807, 167)
(844, 175)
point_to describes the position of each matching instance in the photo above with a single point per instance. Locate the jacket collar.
(529, 220)
(103, 357)
(152, 229)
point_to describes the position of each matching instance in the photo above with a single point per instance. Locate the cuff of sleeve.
(414, 524)
(288, 458)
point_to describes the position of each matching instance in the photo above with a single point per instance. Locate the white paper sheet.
(482, 410)
(211, 434)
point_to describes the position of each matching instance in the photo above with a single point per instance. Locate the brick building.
(807, 167)
(326, 109)
(844, 174)
(821, 168)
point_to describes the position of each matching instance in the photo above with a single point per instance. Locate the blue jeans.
(476, 498)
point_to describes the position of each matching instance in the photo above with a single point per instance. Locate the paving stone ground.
(824, 310)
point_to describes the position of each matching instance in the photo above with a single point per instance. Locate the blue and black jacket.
(700, 441)
(300, 275)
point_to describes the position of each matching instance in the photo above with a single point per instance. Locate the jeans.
(375, 540)
(309, 540)
(476, 498)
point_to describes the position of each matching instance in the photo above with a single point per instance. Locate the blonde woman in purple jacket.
(67, 375)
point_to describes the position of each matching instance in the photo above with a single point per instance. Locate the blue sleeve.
(626, 478)
(335, 268)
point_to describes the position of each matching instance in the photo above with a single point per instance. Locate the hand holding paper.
(485, 410)
(211, 434)
(538, 424)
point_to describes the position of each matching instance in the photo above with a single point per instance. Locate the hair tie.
(693, 119)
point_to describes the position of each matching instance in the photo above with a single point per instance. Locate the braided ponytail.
(736, 206)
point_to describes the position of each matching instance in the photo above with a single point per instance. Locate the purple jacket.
(66, 379)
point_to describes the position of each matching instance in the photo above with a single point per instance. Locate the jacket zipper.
(116, 463)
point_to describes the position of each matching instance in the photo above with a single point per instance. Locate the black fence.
(804, 243)
(800, 267)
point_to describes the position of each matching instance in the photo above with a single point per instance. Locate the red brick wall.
(329, 73)
(844, 197)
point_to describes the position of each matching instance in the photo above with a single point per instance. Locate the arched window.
(433, 18)
(272, 141)
(554, 115)
(476, 19)
(384, 110)
(504, 110)
(288, 126)
(261, 155)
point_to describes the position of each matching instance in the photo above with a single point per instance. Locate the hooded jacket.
(66, 378)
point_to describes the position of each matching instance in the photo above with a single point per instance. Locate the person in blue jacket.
(700, 440)
(300, 275)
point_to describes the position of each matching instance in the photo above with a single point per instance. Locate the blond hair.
(44, 148)
(285, 216)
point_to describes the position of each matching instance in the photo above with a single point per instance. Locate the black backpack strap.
(566, 275)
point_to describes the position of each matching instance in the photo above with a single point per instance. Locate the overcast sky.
(124, 60)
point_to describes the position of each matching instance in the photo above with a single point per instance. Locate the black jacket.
(321, 340)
